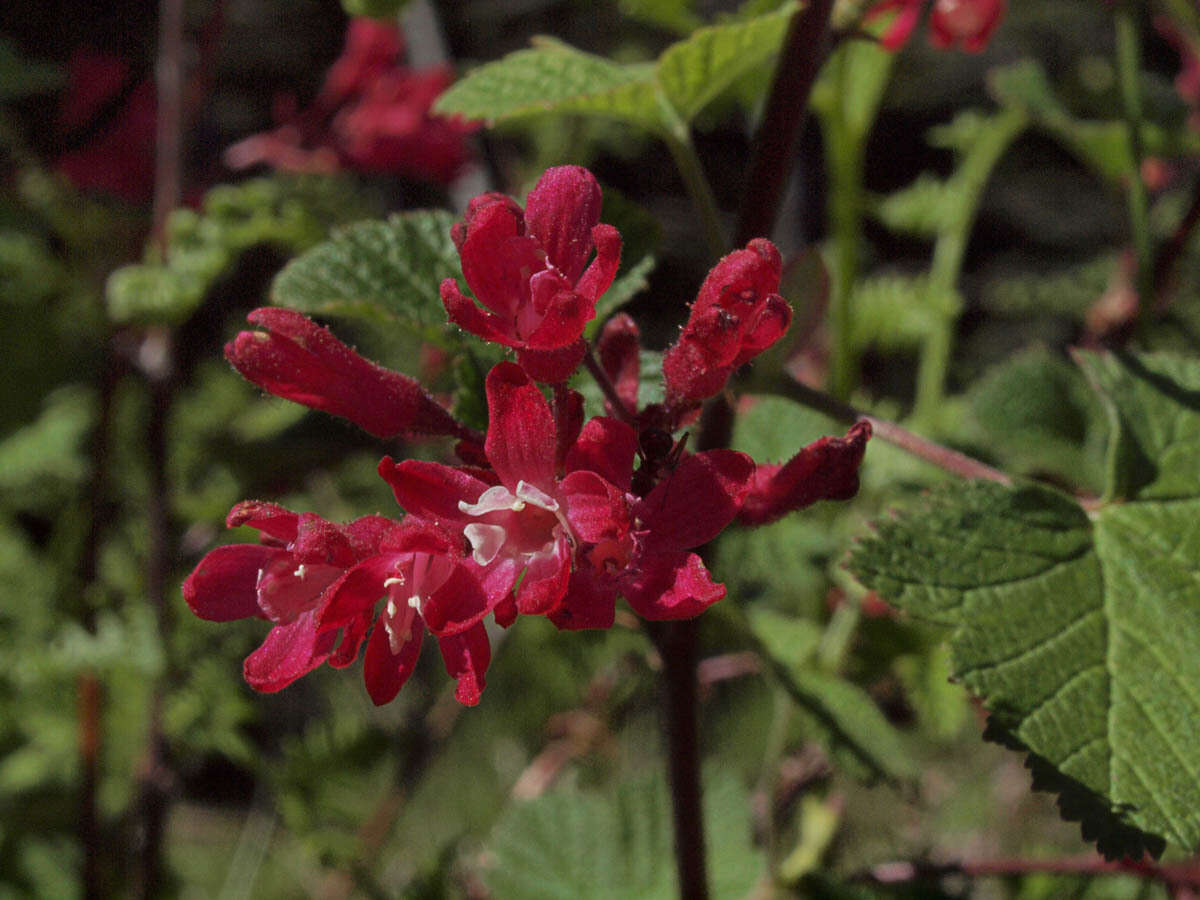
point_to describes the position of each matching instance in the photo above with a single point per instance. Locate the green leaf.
(623, 289)
(695, 71)
(1103, 145)
(378, 271)
(1036, 413)
(675, 15)
(587, 845)
(1080, 630)
(921, 209)
(553, 77)
(293, 213)
(898, 311)
(375, 9)
(19, 77)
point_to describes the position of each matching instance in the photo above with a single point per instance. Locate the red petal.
(770, 323)
(561, 212)
(562, 323)
(356, 592)
(467, 657)
(600, 274)
(672, 586)
(385, 672)
(223, 586)
(520, 439)
(466, 315)
(568, 420)
(321, 542)
(596, 510)
(824, 470)
(457, 605)
(606, 447)
(288, 652)
(497, 258)
(429, 489)
(545, 581)
(552, 366)
(352, 639)
(697, 500)
(755, 270)
(268, 518)
(618, 349)
(590, 603)
(303, 362)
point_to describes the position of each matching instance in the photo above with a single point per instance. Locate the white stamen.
(529, 494)
(486, 541)
(395, 579)
(299, 573)
(416, 602)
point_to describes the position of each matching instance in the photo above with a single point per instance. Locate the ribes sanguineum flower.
(284, 580)
(529, 268)
(737, 314)
(295, 358)
(523, 519)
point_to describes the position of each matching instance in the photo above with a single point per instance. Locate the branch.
(774, 149)
(1173, 876)
(941, 456)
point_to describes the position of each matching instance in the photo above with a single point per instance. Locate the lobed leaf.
(555, 78)
(1080, 630)
(377, 270)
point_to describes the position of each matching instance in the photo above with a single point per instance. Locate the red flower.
(284, 579)
(737, 314)
(826, 469)
(420, 571)
(900, 29)
(316, 580)
(529, 269)
(532, 523)
(118, 157)
(299, 360)
(372, 114)
(966, 22)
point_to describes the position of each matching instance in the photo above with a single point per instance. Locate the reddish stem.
(609, 390)
(676, 643)
(1174, 876)
(804, 49)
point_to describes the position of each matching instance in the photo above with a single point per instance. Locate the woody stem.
(677, 646)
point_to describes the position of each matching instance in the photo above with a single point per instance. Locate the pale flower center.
(511, 521)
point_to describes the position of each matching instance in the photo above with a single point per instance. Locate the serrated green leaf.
(585, 845)
(1080, 631)
(898, 311)
(696, 70)
(553, 77)
(292, 213)
(1068, 292)
(1036, 413)
(922, 208)
(379, 271)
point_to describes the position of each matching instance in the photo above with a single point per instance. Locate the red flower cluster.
(965, 23)
(549, 515)
(372, 114)
(108, 122)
